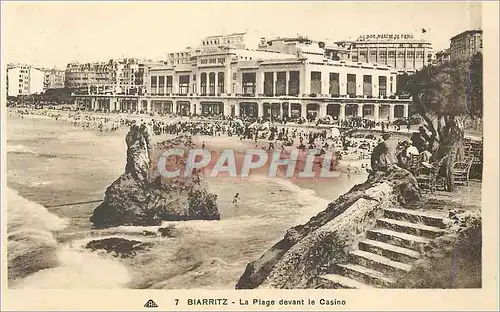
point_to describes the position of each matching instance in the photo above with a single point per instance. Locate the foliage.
(444, 96)
(450, 89)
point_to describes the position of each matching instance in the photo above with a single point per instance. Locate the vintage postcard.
(242, 156)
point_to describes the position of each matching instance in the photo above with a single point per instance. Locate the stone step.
(415, 217)
(335, 281)
(410, 228)
(398, 239)
(378, 263)
(390, 251)
(365, 275)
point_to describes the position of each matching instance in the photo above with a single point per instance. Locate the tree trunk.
(451, 146)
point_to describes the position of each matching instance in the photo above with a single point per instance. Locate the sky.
(52, 34)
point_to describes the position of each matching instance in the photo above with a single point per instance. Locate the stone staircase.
(390, 248)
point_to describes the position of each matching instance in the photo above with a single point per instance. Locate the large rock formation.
(141, 196)
(312, 249)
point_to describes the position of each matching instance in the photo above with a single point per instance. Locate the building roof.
(444, 51)
(227, 35)
(467, 32)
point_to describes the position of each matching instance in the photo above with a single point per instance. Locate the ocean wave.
(78, 269)
(304, 196)
(37, 260)
(19, 149)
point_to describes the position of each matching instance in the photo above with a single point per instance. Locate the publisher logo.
(150, 304)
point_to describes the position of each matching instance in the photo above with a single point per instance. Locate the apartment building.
(23, 79)
(54, 78)
(466, 44)
(442, 57)
(117, 76)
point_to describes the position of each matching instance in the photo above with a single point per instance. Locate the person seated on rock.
(383, 155)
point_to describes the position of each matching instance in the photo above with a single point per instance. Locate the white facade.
(36, 81)
(24, 80)
(292, 79)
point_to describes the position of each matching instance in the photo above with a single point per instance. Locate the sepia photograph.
(244, 146)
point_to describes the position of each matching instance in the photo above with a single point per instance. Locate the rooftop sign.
(373, 37)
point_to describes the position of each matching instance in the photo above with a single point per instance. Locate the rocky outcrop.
(312, 249)
(140, 196)
(117, 246)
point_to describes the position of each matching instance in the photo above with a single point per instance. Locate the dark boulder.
(119, 247)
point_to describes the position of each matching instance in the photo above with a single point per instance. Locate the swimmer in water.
(235, 198)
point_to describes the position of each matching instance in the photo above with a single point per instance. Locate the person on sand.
(235, 198)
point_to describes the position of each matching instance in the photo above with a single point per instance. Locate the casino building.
(293, 77)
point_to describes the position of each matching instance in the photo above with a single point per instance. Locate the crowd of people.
(345, 143)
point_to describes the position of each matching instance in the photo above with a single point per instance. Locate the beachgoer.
(235, 198)
(383, 154)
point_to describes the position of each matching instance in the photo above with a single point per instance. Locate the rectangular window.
(169, 85)
(204, 61)
(235, 76)
(382, 57)
(269, 84)
(294, 83)
(161, 82)
(315, 82)
(367, 85)
(154, 81)
(184, 84)
(334, 84)
(351, 84)
(363, 56)
(248, 82)
(211, 84)
(212, 61)
(221, 60)
(203, 83)
(280, 83)
(382, 86)
(220, 83)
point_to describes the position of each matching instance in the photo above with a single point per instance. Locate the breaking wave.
(37, 260)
